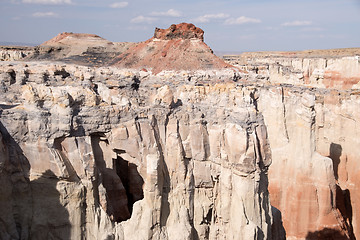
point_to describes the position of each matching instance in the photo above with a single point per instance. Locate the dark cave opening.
(131, 180)
(121, 181)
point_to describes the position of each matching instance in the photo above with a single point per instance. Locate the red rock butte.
(180, 47)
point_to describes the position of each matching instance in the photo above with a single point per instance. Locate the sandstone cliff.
(176, 151)
(338, 69)
(118, 155)
(312, 122)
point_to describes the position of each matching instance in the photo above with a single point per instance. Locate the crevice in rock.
(343, 200)
(284, 114)
(254, 99)
(120, 184)
(69, 169)
(208, 217)
(131, 180)
(335, 154)
(63, 73)
(12, 76)
(136, 84)
(343, 204)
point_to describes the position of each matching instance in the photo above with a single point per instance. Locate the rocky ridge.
(71, 48)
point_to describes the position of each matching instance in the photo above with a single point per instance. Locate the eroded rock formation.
(103, 153)
(332, 69)
(180, 148)
(312, 125)
(180, 47)
(75, 48)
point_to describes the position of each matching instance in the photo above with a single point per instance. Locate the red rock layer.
(335, 79)
(180, 47)
(182, 30)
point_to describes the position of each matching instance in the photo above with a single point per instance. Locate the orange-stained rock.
(180, 47)
(313, 177)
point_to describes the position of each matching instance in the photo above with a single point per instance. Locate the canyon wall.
(103, 153)
(313, 175)
(311, 114)
(262, 147)
(325, 69)
(9, 53)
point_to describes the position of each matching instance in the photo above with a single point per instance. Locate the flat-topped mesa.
(181, 30)
(69, 38)
(79, 48)
(180, 47)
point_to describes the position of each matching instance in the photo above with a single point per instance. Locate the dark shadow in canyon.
(17, 159)
(131, 179)
(343, 199)
(343, 204)
(326, 234)
(36, 211)
(16, 192)
(335, 154)
(50, 218)
(123, 184)
(165, 205)
(277, 228)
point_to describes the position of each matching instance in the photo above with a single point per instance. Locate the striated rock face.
(338, 69)
(313, 139)
(306, 145)
(103, 153)
(180, 47)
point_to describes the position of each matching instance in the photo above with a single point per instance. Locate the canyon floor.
(164, 140)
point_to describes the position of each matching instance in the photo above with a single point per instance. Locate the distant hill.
(17, 44)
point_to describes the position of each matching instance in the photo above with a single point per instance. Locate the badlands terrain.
(164, 140)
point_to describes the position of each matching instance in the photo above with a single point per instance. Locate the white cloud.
(53, 2)
(169, 13)
(142, 19)
(207, 17)
(44, 14)
(312, 29)
(119, 5)
(296, 23)
(241, 20)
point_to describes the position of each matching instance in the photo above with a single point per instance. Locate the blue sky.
(229, 25)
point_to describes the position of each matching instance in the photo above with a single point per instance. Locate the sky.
(229, 25)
